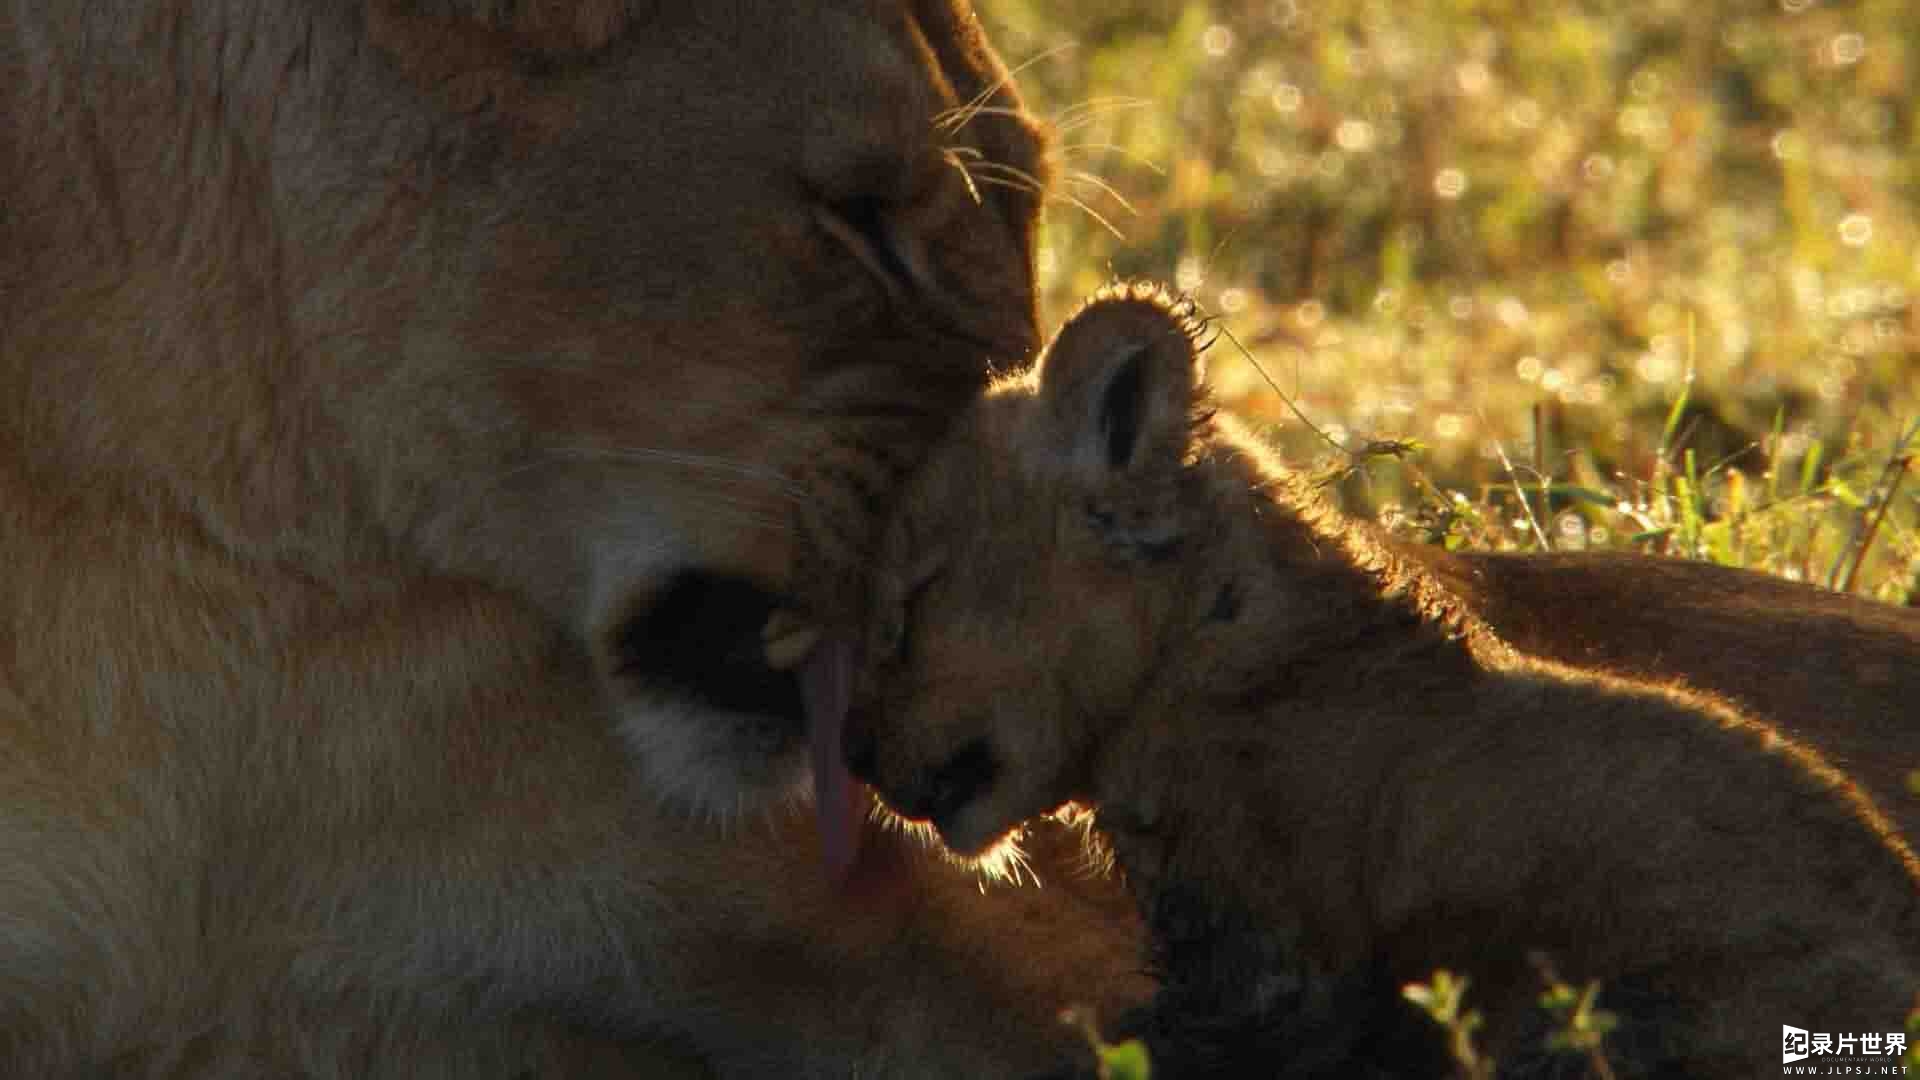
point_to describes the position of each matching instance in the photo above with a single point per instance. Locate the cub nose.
(944, 790)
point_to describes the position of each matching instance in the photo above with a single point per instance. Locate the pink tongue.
(826, 689)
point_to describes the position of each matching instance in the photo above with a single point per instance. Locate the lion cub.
(1323, 775)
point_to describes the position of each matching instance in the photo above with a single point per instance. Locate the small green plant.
(1444, 1000)
(1126, 1060)
(1581, 1027)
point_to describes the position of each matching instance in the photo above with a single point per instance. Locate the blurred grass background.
(1624, 275)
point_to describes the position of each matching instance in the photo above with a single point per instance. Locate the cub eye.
(864, 225)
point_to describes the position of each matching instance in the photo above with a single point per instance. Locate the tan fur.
(1851, 688)
(366, 371)
(1312, 755)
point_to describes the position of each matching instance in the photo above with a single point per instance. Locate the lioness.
(410, 410)
(1314, 759)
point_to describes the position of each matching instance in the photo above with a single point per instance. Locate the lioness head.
(1059, 549)
(607, 303)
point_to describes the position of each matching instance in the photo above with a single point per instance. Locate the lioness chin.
(408, 415)
(1322, 772)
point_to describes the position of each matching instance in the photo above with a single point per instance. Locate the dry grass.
(1619, 275)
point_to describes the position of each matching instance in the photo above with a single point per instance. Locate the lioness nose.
(946, 789)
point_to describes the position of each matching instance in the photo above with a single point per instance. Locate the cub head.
(1055, 551)
(609, 304)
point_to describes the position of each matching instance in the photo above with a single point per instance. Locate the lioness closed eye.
(410, 412)
(1322, 772)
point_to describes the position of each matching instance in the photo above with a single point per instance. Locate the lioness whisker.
(673, 457)
(954, 158)
(1094, 105)
(961, 115)
(1075, 117)
(1063, 149)
(996, 110)
(649, 455)
(750, 507)
(994, 181)
(1082, 176)
(1002, 175)
(1099, 218)
(1028, 181)
(748, 519)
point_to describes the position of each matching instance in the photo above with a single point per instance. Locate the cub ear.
(1120, 386)
(1120, 392)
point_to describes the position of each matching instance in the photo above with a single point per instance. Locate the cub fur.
(1851, 690)
(409, 414)
(1324, 775)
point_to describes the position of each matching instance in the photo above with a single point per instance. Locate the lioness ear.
(1119, 387)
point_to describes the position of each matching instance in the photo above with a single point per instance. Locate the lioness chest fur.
(1322, 773)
